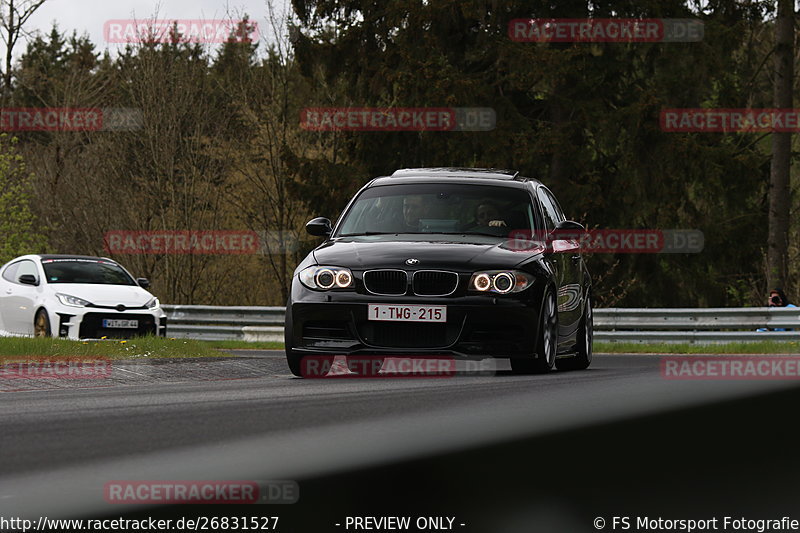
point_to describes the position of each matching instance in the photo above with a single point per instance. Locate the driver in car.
(414, 208)
(487, 215)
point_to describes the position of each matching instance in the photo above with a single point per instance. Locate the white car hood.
(106, 295)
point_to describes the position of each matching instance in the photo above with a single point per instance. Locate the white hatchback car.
(76, 297)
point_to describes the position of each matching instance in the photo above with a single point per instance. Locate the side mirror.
(570, 225)
(566, 237)
(319, 227)
(28, 279)
(143, 282)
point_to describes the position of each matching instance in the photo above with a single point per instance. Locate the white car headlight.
(72, 301)
(153, 304)
(500, 281)
(323, 278)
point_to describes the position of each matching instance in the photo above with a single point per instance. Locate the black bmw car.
(427, 262)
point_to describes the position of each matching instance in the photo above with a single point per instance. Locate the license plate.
(407, 313)
(119, 323)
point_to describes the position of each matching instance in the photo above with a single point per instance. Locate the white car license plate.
(119, 323)
(407, 313)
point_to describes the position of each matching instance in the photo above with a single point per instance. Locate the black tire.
(309, 366)
(301, 365)
(41, 324)
(295, 362)
(365, 365)
(292, 359)
(583, 350)
(546, 344)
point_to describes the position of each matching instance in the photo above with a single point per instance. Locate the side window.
(549, 210)
(26, 267)
(9, 273)
(536, 212)
(559, 213)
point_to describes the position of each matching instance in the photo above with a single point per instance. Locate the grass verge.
(765, 347)
(141, 347)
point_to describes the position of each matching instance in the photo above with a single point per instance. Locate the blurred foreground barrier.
(713, 325)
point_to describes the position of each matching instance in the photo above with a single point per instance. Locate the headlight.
(72, 301)
(323, 278)
(153, 304)
(481, 282)
(500, 281)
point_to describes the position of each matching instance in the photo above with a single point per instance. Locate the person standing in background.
(777, 298)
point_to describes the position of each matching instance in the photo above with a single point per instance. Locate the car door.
(567, 258)
(6, 279)
(17, 300)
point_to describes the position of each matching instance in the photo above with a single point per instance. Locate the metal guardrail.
(671, 325)
(697, 326)
(220, 323)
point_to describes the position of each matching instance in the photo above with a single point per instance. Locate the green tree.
(20, 232)
(583, 117)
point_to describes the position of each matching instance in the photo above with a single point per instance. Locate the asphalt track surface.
(248, 418)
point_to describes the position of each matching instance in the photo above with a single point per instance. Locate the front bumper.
(87, 322)
(477, 326)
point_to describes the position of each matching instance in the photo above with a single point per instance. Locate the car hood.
(452, 252)
(107, 295)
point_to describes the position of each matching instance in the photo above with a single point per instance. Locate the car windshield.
(439, 208)
(91, 271)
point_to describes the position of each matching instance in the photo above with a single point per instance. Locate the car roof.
(42, 257)
(510, 178)
(65, 256)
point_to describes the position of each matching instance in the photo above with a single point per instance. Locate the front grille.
(386, 282)
(92, 326)
(406, 335)
(434, 283)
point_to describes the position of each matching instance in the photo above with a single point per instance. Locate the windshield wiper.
(420, 233)
(406, 233)
(481, 233)
(368, 233)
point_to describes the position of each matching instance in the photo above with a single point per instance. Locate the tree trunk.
(10, 38)
(779, 193)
